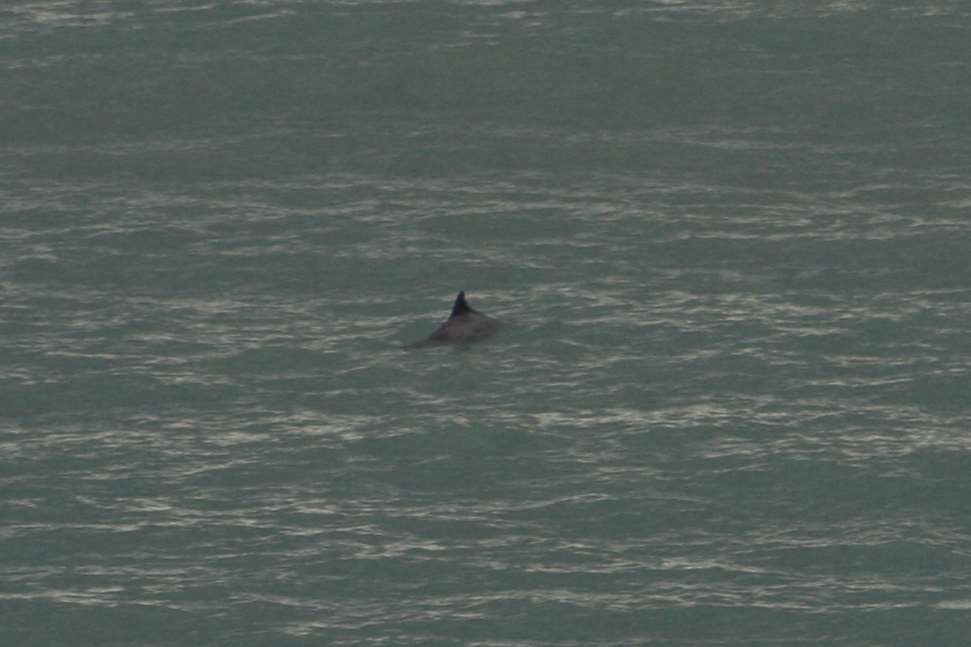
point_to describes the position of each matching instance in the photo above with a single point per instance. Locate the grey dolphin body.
(464, 325)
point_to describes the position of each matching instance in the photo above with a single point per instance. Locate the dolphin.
(464, 325)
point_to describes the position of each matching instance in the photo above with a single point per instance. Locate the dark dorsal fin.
(460, 307)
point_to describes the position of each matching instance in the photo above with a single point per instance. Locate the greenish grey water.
(728, 240)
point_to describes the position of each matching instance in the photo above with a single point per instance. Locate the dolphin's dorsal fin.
(460, 307)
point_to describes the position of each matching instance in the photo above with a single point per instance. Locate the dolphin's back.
(471, 326)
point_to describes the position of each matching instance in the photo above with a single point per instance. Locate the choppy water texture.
(728, 242)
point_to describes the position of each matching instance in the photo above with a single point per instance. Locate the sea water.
(728, 241)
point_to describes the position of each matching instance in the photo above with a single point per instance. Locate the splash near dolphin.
(464, 325)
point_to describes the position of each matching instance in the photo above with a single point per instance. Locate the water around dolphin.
(464, 325)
